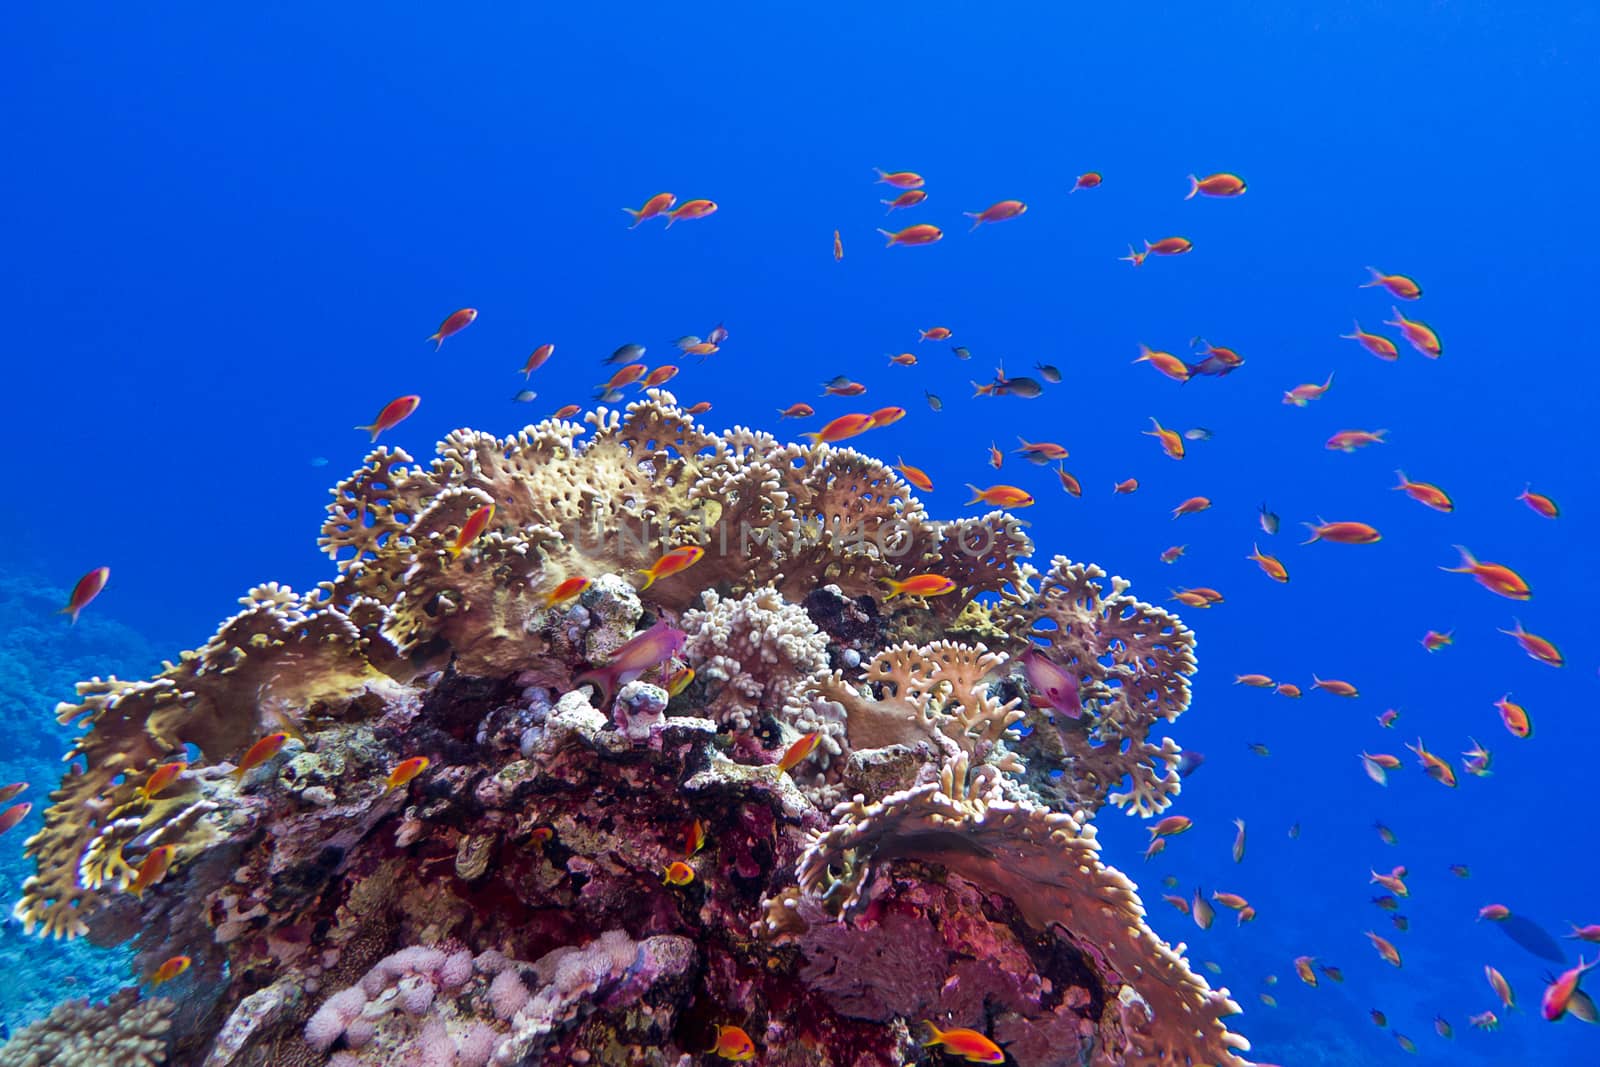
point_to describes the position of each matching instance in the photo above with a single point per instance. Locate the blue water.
(229, 232)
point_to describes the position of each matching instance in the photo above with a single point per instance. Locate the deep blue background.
(228, 234)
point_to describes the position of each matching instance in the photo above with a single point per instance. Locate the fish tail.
(649, 578)
(1316, 534)
(71, 613)
(1467, 561)
(1376, 274)
(1194, 187)
(896, 588)
(601, 680)
(815, 438)
(638, 216)
(976, 217)
(935, 1034)
(454, 550)
(1404, 481)
(1353, 336)
(892, 238)
(977, 494)
(372, 429)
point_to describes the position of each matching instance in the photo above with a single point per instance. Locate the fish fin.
(1404, 481)
(977, 494)
(1315, 535)
(1194, 187)
(937, 1034)
(1376, 274)
(887, 234)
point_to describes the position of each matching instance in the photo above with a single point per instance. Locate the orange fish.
(938, 333)
(659, 376)
(1300, 395)
(909, 198)
(1387, 719)
(566, 411)
(652, 207)
(1168, 246)
(1230, 900)
(1216, 185)
(733, 1044)
(1377, 344)
(1001, 496)
(1397, 284)
(14, 814)
(537, 359)
(160, 778)
(838, 247)
(1127, 485)
(1350, 440)
(1495, 577)
(1302, 967)
(1181, 903)
(1433, 640)
(1170, 826)
(920, 234)
(900, 179)
(1270, 566)
(1558, 994)
(1515, 717)
(625, 376)
(799, 752)
(797, 411)
(453, 324)
(170, 970)
(1439, 770)
(694, 838)
(1501, 987)
(842, 386)
(1342, 533)
(1165, 362)
(1334, 686)
(1385, 949)
(1087, 180)
(1288, 689)
(1394, 881)
(89, 586)
(677, 873)
(996, 212)
(402, 773)
(968, 1044)
(259, 753)
(394, 412)
(904, 359)
(996, 458)
(564, 592)
(153, 869)
(1172, 553)
(918, 585)
(1539, 502)
(700, 348)
(9, 791)
(678, 681)
(1424, 493)
(1420, 334)
(1536, 646)
(1157, 846)
(1259, 681)
(1211, 595)
(1494, 913)
(679, 559)
(691, 209)
(471, 530)
(1192, 505)
(1171, 440)
(1068, 482)
(915, 475)
(841, 429)
(1041, 452)
(1190, 598)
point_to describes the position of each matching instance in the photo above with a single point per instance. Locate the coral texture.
(122, 1032)
(593, 877)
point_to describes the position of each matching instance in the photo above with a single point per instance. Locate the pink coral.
(336, 1013)
(455, 971)
(416, 994)
(507, 993)
(433, 1047)
(477, 1046)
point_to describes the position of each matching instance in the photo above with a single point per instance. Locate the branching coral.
(123, 1032)
(333, 920)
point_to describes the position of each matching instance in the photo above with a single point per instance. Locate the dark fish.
(626, 354)
(1269, 521)
(1023, 387)
(718, 334)
(525, 396)
(1048, 372)
(836, 381)
(933, 402)
(1189, 762)
(961, 351)
(1199, 433)
(688, 340)
(608, 396)
(1294, 832)
(1531, 936)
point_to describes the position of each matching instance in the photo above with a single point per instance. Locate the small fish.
(471, 530)
(733, 1044)
(394, 412)
(679, 559)
(1375, 770)
(678, 681)
(933, 401)
(1515, 717)
(17, 788)
(1378, 1018)
(1231, 900)
(1461, 870)
(14, 814)
(1190, 598)
(694, 838)
(1288, 689)
(1390, 954)
(677, 873)
(841, 429)
(961, 351)
(936, 333)
(1189, 761)
(1157, 846)
(968, 1044)
(1258, 681)
(1001, 496)
(159, 779)
(904, 359)
(1540, 503)
(1333, 973)
(1269, 521)
(259, 753)
(87, 588)
(1301, 395)
(1334, 686)
(691, 209)
(698, 409)
(1040, 452)
(1056, 684)
(1172, 553)
(625, 376)
(1437, 769)
(1165, 362)
(1294, 832)
(799, 752)
(1181, 903)
(1495, 577)
(403, 772)
(1049, 372)
(1350, 440)
(1213, 966)
(1215, 185)
(838, 247)
(1590, 933)
(537, 359)
(566, 411)
(1405, 1042)
(1386, 835)
(524, 396)
(1494, 913)
(1216, 361)
(643, 652)
(996, 458)
(564, 592)
(1303, 969)
(1259, 749)
(1420, 334)
(1397, 284)
(1485, 1021)
(1342, 533)
(1270, 566)
(1433, 640)
(1087, 180)
(909, 198)
(915, 475)
(658, 377)
(627, 354)
(920, 234)
(1268, 999)
(1126, 486)
(797, 411)
(1068, 483)
(1027, 388)
(999, 211)
(1201, 911)
(656, 205)
(1535, 646)
(1558, 994)
(1170, 826)
(1387, 902)
(1171, 441)
(1501, 987)
(169, 970)
(922, 585)
(842, 386)
(1168, 246)
(900, 179)
(1199, 433)
(1238, 841)
(153, 869)
(1375, 343)
(1387, 719)
(454, 323)
(887, 417)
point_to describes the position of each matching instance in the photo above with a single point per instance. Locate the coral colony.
(509, 807)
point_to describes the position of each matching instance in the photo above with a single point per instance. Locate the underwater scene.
(1057, 535)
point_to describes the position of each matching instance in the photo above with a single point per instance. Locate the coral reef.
(125, 1031)
(857, 814)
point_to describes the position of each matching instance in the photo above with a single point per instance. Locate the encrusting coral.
(588, 876)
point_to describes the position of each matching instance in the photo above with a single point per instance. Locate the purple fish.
(1053, 682)
(1189, 761)
(652, 648)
